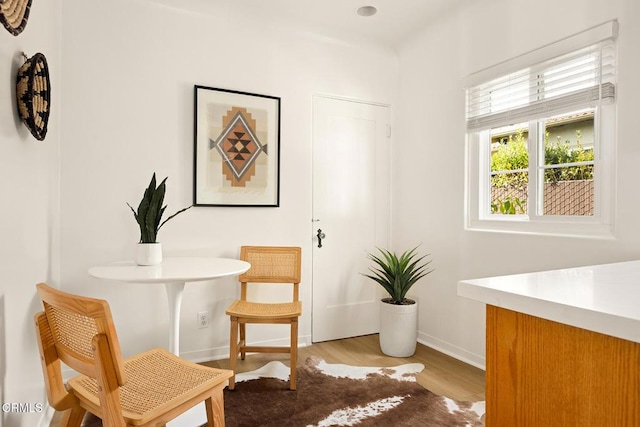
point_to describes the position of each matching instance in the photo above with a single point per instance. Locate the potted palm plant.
(149, 216)
(398, 314)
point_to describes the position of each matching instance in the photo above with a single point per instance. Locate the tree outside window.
(566, 169)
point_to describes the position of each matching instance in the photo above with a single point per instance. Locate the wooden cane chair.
(148, 389)
(269, 264)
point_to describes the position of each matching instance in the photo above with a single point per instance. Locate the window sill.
(558, 228)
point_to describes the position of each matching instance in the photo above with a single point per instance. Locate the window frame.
(478, 214)
(478, 192)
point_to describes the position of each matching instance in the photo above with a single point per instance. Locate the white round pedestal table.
(174, 273)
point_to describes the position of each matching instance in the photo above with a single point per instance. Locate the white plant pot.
(148, 253)
(398, 329)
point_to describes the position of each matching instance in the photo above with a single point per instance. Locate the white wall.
(429, 170)
(28, 219)
(124, 78)
(129, 71)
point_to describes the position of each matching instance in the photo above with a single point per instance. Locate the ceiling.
(395, 21)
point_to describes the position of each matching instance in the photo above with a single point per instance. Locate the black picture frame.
(236, 158)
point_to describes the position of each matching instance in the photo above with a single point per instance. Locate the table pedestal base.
(174, 297)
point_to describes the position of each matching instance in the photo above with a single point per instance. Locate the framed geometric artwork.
(236, 148)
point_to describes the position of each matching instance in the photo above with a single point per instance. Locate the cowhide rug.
(339, 395)
(342, 395)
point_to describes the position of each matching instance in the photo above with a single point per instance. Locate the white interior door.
(351, 205)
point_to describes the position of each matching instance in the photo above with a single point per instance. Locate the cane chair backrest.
(271, 265)
(75, 322)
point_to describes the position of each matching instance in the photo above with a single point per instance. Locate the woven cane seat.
(264, 310)
(156, 381)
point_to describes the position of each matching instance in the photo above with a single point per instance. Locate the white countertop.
(601, 298)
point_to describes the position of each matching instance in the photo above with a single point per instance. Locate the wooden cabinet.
(544, 373)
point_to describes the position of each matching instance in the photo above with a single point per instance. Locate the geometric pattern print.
(33, 92)
(239, 146)
(14, 15)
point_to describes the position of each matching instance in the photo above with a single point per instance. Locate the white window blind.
(572, 81)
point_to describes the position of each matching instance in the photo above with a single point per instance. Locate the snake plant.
(397, 274)
(150, 211)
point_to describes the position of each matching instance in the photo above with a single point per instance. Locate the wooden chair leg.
(243, 340)
(294, 354)
(215, 409)
(233, 351)
(73, 417)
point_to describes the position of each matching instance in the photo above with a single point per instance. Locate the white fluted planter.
(398, 329)
(148, 253)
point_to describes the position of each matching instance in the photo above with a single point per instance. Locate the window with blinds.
(576, 80)
(540, 135)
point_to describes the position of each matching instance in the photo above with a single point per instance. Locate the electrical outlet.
(203, 319)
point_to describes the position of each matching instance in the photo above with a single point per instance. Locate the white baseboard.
(451, 350)
(218, 353)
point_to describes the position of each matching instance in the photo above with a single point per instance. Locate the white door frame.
(387, 147)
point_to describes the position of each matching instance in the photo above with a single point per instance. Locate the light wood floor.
(442, 374)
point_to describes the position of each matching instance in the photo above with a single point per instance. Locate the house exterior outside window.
(541, 139)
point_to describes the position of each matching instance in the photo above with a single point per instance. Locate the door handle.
(320, 236)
